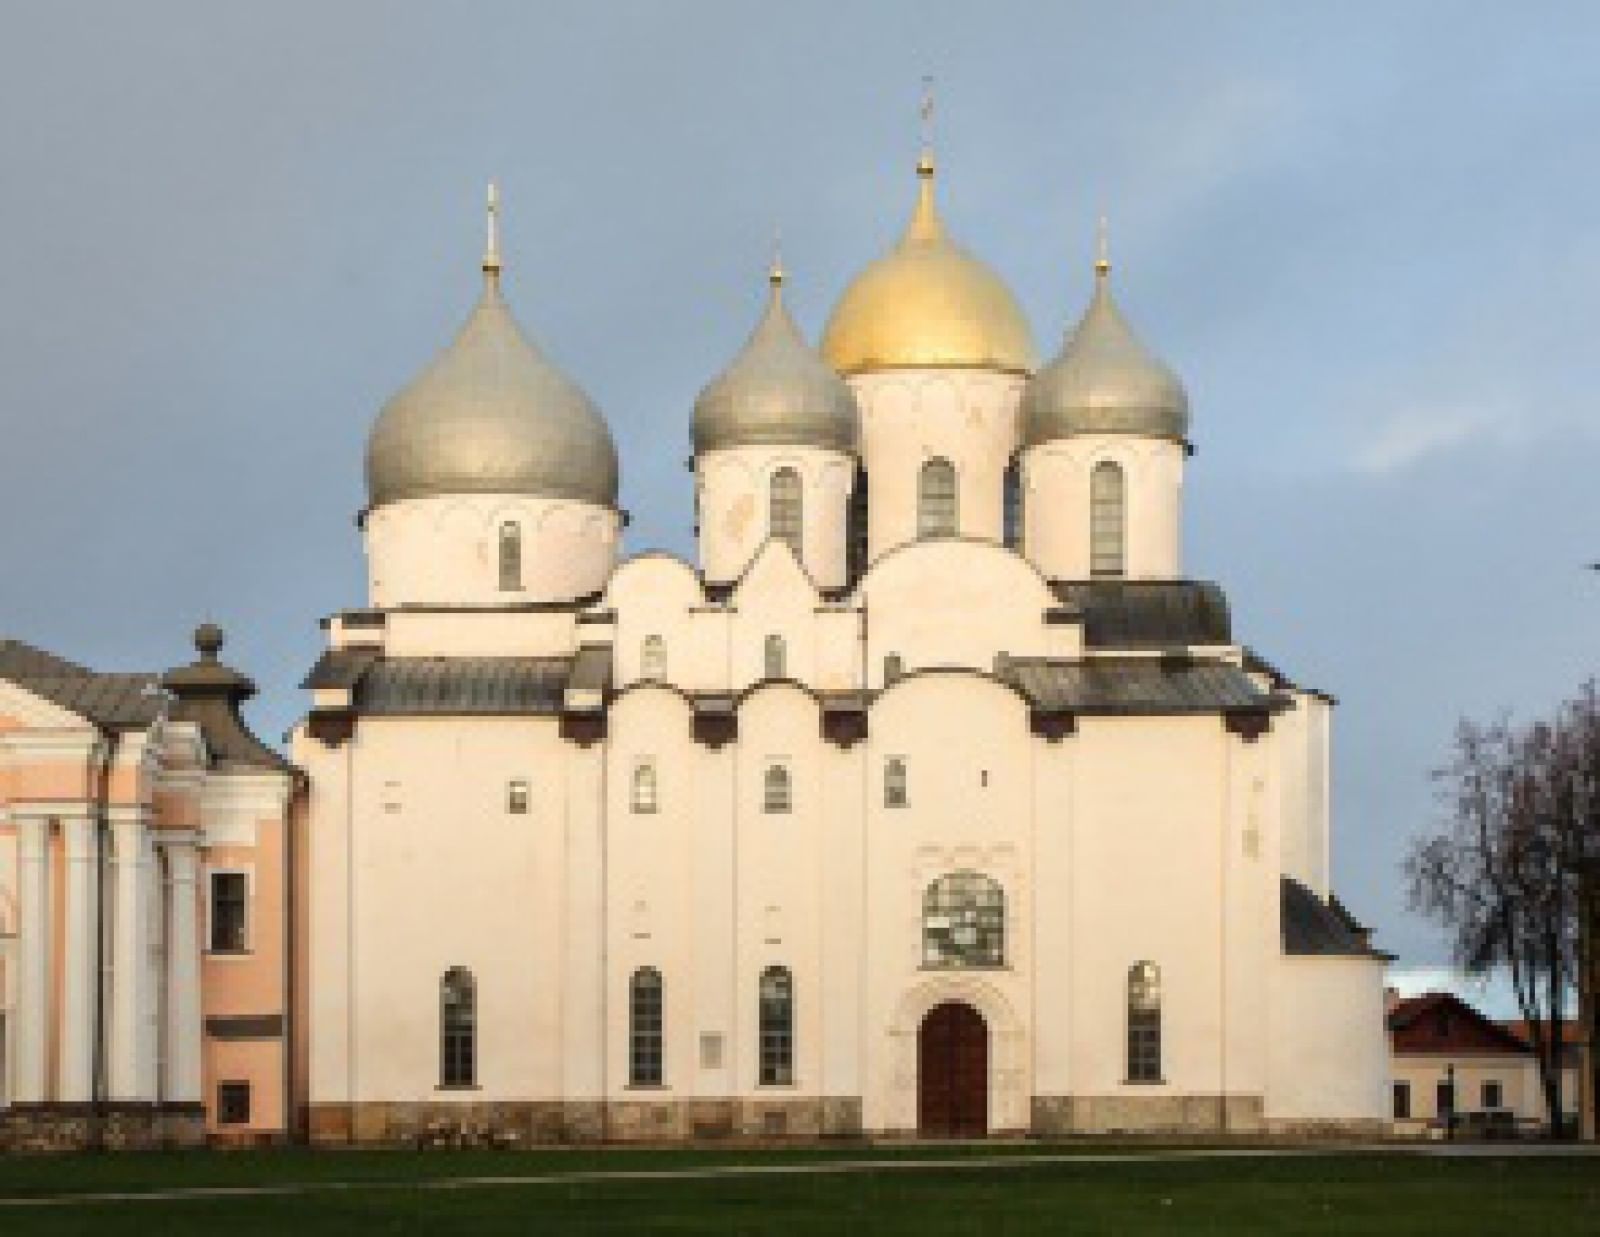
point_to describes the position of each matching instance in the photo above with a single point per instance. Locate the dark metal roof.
(1148, 614)
(115, 701)
(20, 660)
(1313, 927)
(1135, 685)
(591, 669)
(340, 668)
(463, 685)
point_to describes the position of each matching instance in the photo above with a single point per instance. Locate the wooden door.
(953, 1073)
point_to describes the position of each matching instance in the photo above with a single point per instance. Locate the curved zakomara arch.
(945, 544)
(741, 697)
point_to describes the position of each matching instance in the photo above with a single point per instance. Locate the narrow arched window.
(776, 1027)
(775, 658)
(786, 509)
(510, 557)
(653, 658)
(964, 922)
(1107, 519)
(936, 499)
(1011, 506)
(644, 786)
(857, 545)
(458, 1028)
(894, 782)
(646, 1027)
(777, 793)
(1144, 1022)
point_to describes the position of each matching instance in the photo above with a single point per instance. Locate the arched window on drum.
(1108, 520)
(936, 499)
(786, 509)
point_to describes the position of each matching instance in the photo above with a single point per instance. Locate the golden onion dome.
(928, 303)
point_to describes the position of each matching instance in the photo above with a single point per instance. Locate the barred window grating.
(936, 499)
(786, 514)
(646, 1028)
(1144, 1022)
(964, 922)
(1107, 520)
(776, 1029)
(458, 1028)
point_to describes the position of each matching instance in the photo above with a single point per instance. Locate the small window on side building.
(1402, 1101)
(230, 905)
(233, 1103)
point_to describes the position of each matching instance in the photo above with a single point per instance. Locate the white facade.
(965, 838)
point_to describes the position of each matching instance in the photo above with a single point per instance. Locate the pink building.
(145, 860)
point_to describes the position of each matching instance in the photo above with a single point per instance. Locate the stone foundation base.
(1188, 1116)
(491, 1123)
(111, 1127)
(1057, 1116)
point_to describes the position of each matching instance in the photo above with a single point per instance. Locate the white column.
(183, 971)
(75, 1064)
(131, 1068)
(33, 977)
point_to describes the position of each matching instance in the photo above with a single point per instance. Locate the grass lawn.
(1322, 1193)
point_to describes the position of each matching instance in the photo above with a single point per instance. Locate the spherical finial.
(208, 640)
(775, 267)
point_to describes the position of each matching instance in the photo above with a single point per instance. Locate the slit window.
(894, 782)
(510, 557)
(645, 791)
(777, 792)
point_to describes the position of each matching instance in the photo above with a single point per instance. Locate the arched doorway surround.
(953, 1072)
(891, 1096)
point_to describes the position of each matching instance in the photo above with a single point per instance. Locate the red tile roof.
(1441, 1022)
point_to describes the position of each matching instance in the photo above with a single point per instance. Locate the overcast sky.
(1366, 234)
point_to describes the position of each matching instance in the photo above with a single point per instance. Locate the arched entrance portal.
(953, 1073)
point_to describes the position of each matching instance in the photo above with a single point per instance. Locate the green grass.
(1335, 1193)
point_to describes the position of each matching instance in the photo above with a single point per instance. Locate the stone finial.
(208, 641)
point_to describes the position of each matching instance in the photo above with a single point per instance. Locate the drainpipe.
(102, 827)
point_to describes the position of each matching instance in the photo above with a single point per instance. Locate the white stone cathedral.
(933, 799)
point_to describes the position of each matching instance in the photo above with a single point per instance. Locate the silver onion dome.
(776, 392)
(491, 415)
(1103, 381)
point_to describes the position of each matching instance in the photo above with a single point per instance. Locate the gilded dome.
(1103, 381)
(928, 302)
(777, 391)
(491, 415)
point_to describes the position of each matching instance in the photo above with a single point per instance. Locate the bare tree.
(1509, 867)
